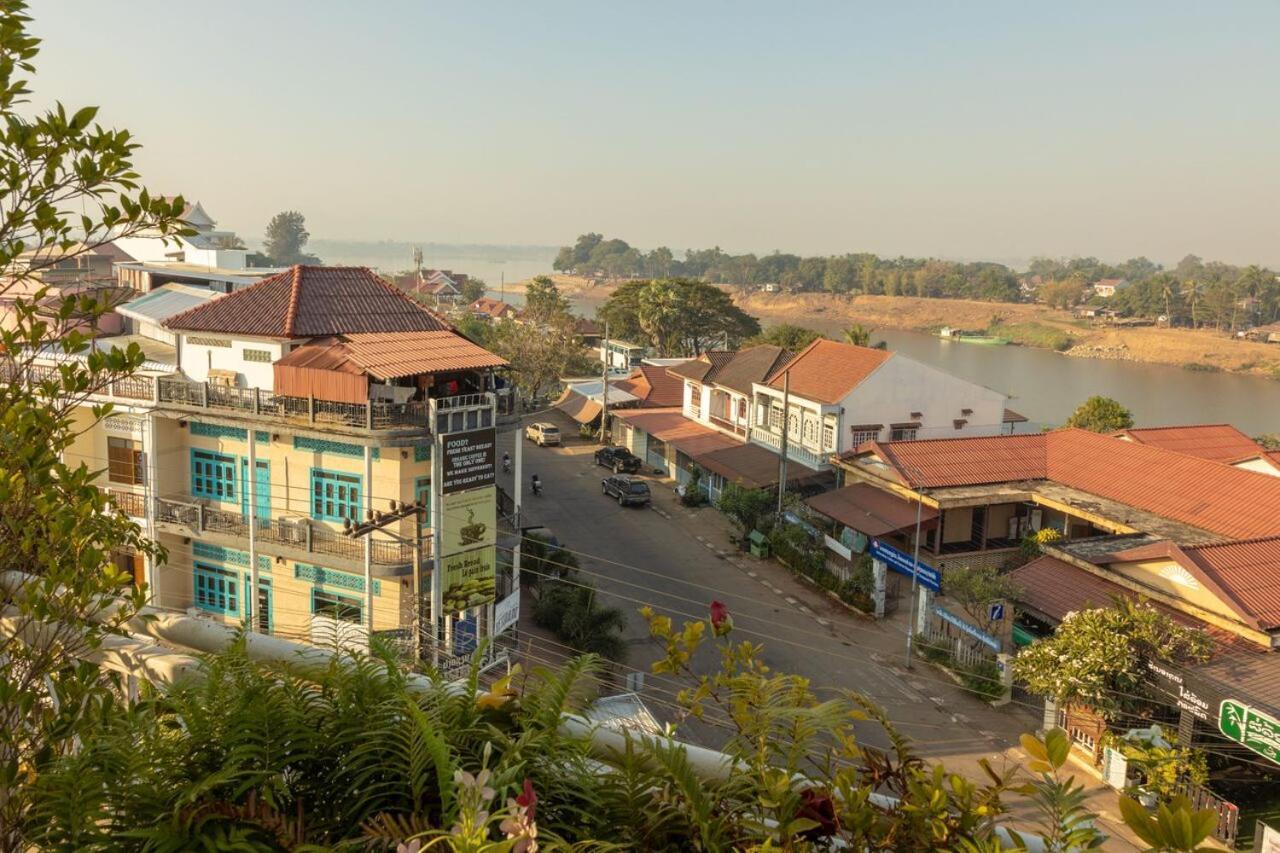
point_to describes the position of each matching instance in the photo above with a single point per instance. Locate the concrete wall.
(196, 359)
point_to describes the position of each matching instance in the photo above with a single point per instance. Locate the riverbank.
(1028, 325)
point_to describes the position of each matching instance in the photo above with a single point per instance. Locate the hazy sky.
(968, 129)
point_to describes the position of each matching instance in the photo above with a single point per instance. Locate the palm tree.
(860, 336)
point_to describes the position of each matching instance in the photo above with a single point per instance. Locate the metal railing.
(796, 451)
(133, 504)
(1228, 826)
(300, 533)
(374, 415)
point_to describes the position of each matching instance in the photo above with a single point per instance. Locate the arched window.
(742, 410)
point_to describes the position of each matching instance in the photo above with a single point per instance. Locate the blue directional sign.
(995, 611)
(929, 577)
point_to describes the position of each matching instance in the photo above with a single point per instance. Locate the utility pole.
(381, 521)
(915, 577)
(782, 460)
(604, 386)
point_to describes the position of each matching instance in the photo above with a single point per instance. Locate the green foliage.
(974, 587)
(1101, 414)
(1270, 441)
(1201, 367)
(472, 289)
(1059, 800)
(540, 355)
(785, 335)
(544, 303)
(69, 186)
(568, 608)
(1099, 657)
(746, 507)
(1032, 334)
(1164, 768)
(1174, 826)
(286, 235)
(676, 316)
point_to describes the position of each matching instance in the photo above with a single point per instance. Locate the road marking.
(749, 574)
(823, 622)
(805, 610)
(959, 718)
(790, 600)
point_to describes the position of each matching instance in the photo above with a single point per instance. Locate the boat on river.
(947, 333)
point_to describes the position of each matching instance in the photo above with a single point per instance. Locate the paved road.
(677, 561)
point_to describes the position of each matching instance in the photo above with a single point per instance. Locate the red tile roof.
(1210, 495)
(869, 510)
(826, 371)
(492, 307)
(308, 302)
(1219, 442)
(653, 386)
(670, 426)
(1249, 570)
(390, 356)
(752, 466)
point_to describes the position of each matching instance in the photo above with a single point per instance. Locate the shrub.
(1201, 367)
(746, 507)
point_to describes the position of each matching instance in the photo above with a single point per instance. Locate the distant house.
(1268, 334)
(444, 287)
(492, 310)
(589, 331)
(207, 247)
(1109, 287)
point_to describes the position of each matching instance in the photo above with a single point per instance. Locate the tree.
(540, 354)
(68, 186)
(286, 235)
(1099, 657)
(473, 289)
(1101, 414)
(543, 301)
(746, 506)
(676, 316)
(860, 336)
(228, 241)
(785, 335)
(568, 608)
(976, 587)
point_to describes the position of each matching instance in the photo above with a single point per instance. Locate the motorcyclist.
(506, 463)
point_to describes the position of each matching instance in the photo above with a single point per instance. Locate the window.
(903, 433)
(793, 425)
(340, 607)
(858, 435)
(335, 496)
(828, 436)
(124, 461)
(810, 430)
(742, 410)
(215, 590)
(207, 342)
(775, 418)
(263, 355)
(213, 475)
(695, 399)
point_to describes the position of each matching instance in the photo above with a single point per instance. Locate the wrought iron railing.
(300, 533)
(132, 504)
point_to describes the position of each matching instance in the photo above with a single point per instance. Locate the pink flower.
(721, 621)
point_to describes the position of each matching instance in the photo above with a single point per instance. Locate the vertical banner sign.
(468, 555)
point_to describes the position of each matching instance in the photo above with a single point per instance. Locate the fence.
(376, 414)
(1228, 814)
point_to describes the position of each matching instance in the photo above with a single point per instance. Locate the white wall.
(196, 359)
(158, 250)
(902, 385)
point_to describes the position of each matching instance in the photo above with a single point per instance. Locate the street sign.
(468, 460)
(929, 577)
(995, 611)
(972, 630)
(506, 613)
(1251, 728)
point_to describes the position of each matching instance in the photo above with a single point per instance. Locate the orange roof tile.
(390, 356)
(826, 371)
(939, 462)
(1219, 442)
(653, 386)
(308, 302)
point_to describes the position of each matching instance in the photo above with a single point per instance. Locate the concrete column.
(924, 612)
(150, 493)
(251, 596)
(368, 538)
(879, 577)
(1004, 662)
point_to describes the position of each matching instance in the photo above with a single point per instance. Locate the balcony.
(295, 538)
(795, 451)
(728, 425)
(132, 504)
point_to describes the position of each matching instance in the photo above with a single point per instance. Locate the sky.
(968, 130)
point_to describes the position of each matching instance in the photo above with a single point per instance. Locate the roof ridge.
(1224, 543)
(1179, 426)
(259, 283)
(295, 287)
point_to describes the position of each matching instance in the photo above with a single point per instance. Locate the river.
(1046, 386)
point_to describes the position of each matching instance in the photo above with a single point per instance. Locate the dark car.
(618, 459)
(628, 491)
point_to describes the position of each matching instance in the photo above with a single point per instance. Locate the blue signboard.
(995, 612)
(929, 577)
(464, 636)
(972, 630)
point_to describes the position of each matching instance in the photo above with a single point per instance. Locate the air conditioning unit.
(292, 529)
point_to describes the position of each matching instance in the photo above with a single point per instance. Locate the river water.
(1047, 386)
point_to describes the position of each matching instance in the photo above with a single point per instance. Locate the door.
(262, 507)
(262, 602)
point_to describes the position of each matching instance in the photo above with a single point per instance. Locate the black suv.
(618, 460)
(629, 492)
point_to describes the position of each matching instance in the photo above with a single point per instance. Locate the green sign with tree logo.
(1251, 728)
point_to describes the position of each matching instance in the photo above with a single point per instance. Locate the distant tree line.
(1194, 293)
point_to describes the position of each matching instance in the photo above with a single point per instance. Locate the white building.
(841, 395)
(208, 247)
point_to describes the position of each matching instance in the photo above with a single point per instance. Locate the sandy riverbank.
(1029, 325)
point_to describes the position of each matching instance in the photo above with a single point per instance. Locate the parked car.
(628, 490)
(618, 459)
(543, 434)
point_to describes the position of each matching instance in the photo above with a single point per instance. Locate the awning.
(751, 466)
(578, 407)
(869, 510)
(669, 425)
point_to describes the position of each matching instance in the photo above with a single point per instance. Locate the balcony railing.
(725, 423)
(300, 533)
(374, 415)
(795, 450)
(131, 504)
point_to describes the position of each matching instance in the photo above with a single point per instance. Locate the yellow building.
(331, 386)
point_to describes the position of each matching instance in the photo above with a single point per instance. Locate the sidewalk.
(993, 732)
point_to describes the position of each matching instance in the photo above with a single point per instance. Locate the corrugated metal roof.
(1249, 570)
(391, 356)
(751, 466)
(166, 301)
(689, 437)
(870, 510)
(312, 301)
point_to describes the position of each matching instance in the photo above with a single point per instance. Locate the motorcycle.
(506, 464)
(537, 486)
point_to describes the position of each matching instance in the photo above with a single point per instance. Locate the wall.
(902, 385)
(957, 524)
(195, 359)
(1167, 576)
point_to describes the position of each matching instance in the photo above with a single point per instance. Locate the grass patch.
(1201, 367)
(1033, 334)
